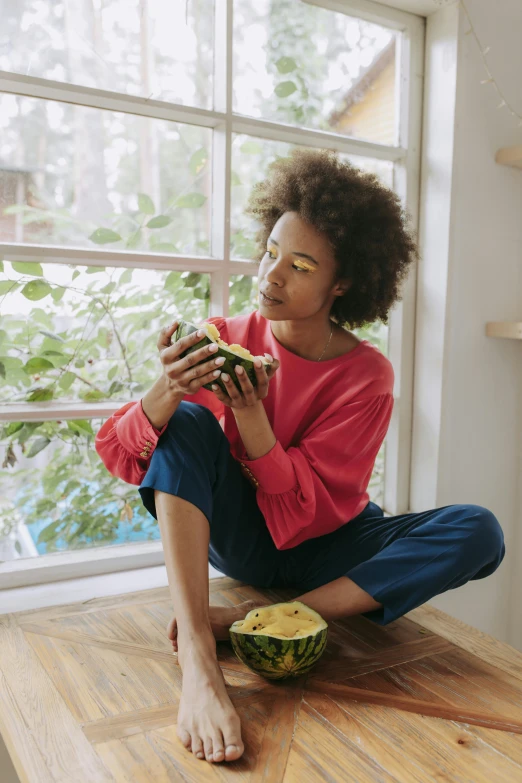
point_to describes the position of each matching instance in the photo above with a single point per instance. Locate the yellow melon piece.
(285, 621)
(212, 331)
(240, 351)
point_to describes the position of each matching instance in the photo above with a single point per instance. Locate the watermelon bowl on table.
(281, 640)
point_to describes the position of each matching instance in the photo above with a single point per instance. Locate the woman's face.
(298, 269)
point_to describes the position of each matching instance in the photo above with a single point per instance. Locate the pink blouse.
(329, 418)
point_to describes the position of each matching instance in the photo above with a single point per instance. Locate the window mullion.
(47, 89)
(221, 158)
(276, 131)
(401, 343)
(55, 254)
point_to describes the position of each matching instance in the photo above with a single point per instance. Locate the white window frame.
(224, 123)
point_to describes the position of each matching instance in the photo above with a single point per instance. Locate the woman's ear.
(342, 287)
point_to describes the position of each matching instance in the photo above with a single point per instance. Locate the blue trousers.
(401, 561)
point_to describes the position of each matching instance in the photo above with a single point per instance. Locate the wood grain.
(332, 751)
(364, 738)
(346, 668)
(66, 752)
(448, 712)
(90, 692)
(498, 654)
(127, 648)
(410, 680)
(278, 737)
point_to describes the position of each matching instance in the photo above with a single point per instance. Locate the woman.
(277, 495)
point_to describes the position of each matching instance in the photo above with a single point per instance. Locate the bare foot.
(221, 618)
(208, 724)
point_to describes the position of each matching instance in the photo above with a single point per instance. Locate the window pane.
(87, 332)
(376, 485)
(57, 494)
(308, 66)
(242, 294)
(71, 175)
(142, 47)
(250, 160)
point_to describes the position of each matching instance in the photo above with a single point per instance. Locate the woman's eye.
(294, 266)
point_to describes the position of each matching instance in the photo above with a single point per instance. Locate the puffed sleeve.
(126, 441)
(312, 489)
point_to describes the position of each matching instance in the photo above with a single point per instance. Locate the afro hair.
(362, 219)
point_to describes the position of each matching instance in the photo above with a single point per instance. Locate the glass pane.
(57, 494)
(71, 175)
(376, 485)
(250, 160)
(242, 294)
(142, 47)
(311, 67)
(87, 332)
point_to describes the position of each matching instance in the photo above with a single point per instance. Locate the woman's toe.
(172, 629)
(218, 749)
(184, 737)
(233, 752)
(197, 748)
(208, 748)
(232, 740)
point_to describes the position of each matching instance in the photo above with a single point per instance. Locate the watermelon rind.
(278, 658)
(232, 360)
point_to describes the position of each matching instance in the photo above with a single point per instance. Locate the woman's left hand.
(248, 396)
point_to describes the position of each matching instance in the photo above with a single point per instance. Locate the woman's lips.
(268, 302)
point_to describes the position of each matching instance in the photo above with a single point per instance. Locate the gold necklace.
(328, 343)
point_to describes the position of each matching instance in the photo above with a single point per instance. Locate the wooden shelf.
(510, 156)
(511, 330)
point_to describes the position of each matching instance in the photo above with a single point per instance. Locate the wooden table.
(89, 693)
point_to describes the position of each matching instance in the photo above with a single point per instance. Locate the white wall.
(479, 425)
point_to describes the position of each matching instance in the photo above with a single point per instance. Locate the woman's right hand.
(186, 376)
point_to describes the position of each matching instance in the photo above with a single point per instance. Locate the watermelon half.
(281, 640)
(234, 354)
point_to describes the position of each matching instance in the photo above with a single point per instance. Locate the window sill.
(86, 588)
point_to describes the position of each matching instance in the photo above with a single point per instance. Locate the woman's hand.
(182, 375)
(248, 396)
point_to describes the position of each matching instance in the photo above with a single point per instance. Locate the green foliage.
(145, 204)
(96, 341)
(159, 222)
(72, 502)
(191, 201)
(284, 89)
(286, 64)
(102, 236)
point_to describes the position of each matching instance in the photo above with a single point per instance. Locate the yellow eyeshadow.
(297, 262)
(304, 265)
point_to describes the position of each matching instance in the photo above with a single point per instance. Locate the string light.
(491, 79)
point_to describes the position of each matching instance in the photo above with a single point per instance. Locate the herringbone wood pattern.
(89, 692)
